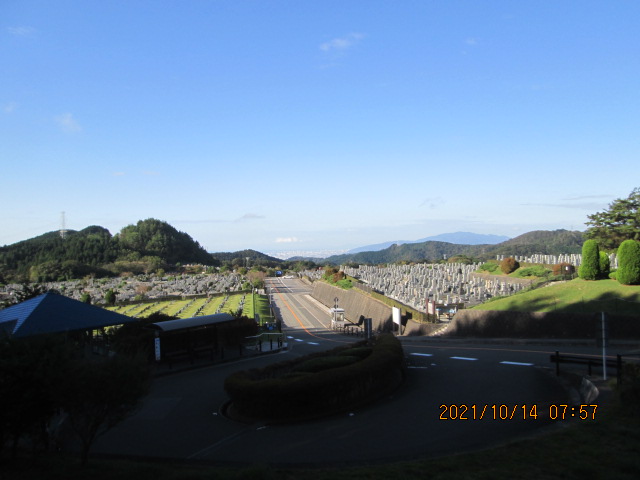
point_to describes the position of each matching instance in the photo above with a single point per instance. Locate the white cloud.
(432, 202)
(67, 123)
(342, 43)
(10, 107)
(250, 216)
(21, 31)
(286, 240)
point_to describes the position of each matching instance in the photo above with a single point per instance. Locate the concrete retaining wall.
(505, 324)
(413, 328)
(355, 304)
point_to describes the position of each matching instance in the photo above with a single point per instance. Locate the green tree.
(110, 297)
(32, 371)
(629, 263)
(509, 265)
(620, 222)
(100, 393)
(590, 265)
(604, 264)
(465, 259)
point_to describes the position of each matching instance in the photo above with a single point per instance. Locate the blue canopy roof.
(53, 313)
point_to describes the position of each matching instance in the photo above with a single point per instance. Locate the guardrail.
(347, 327)
(590, 361)
(257, 341)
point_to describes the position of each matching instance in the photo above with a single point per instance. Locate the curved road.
(505, 385)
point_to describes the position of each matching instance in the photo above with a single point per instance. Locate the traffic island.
(317, 385)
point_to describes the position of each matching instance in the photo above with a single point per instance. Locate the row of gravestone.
(573, 259)
(450, 283)
(147, 286)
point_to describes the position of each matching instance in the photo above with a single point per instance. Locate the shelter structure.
(191, 338)
(54, 313)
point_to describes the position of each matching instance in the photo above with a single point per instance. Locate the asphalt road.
(436, 411)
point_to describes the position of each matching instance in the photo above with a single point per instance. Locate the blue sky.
(306, 125)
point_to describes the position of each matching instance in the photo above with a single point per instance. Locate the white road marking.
(313, 343)
(464, 358)
(517, 363)
(422, 354)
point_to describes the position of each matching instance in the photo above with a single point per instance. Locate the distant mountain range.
(458, 238)
(540, 241)
(152, 245)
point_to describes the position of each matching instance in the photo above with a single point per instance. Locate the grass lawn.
(172, 307)
(213, 305)
(193, 307)
(579, 296)
(263, 309)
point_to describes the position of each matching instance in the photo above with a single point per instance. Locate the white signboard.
(396, 315)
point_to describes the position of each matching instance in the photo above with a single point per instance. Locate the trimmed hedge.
(629, 263)
(589, 269)
(286, 391)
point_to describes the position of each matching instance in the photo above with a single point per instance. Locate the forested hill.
(146, 246)
(544, 242)
(247, 258)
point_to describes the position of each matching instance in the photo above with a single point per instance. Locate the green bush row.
(289, 390)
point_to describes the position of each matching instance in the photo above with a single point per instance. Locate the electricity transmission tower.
(63, 229)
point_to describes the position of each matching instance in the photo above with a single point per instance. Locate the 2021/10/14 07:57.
(515, 412)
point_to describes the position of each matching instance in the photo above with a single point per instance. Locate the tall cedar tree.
(590, 267)
(629, 263)
(620, 222)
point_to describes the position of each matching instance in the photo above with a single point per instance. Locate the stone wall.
(354, 304)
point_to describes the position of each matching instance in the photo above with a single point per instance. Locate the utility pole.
(604, 349)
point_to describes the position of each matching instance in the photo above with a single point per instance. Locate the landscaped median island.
(317, 385)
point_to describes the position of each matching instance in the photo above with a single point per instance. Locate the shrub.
(563, 268)
(489, 267)
(509, 265)
(590, 267)
(360, 352)
(325, 363)
(629, 390)
(275, 392)
(535, 271)
(604, 264)
(628, 272)
(337, 276)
